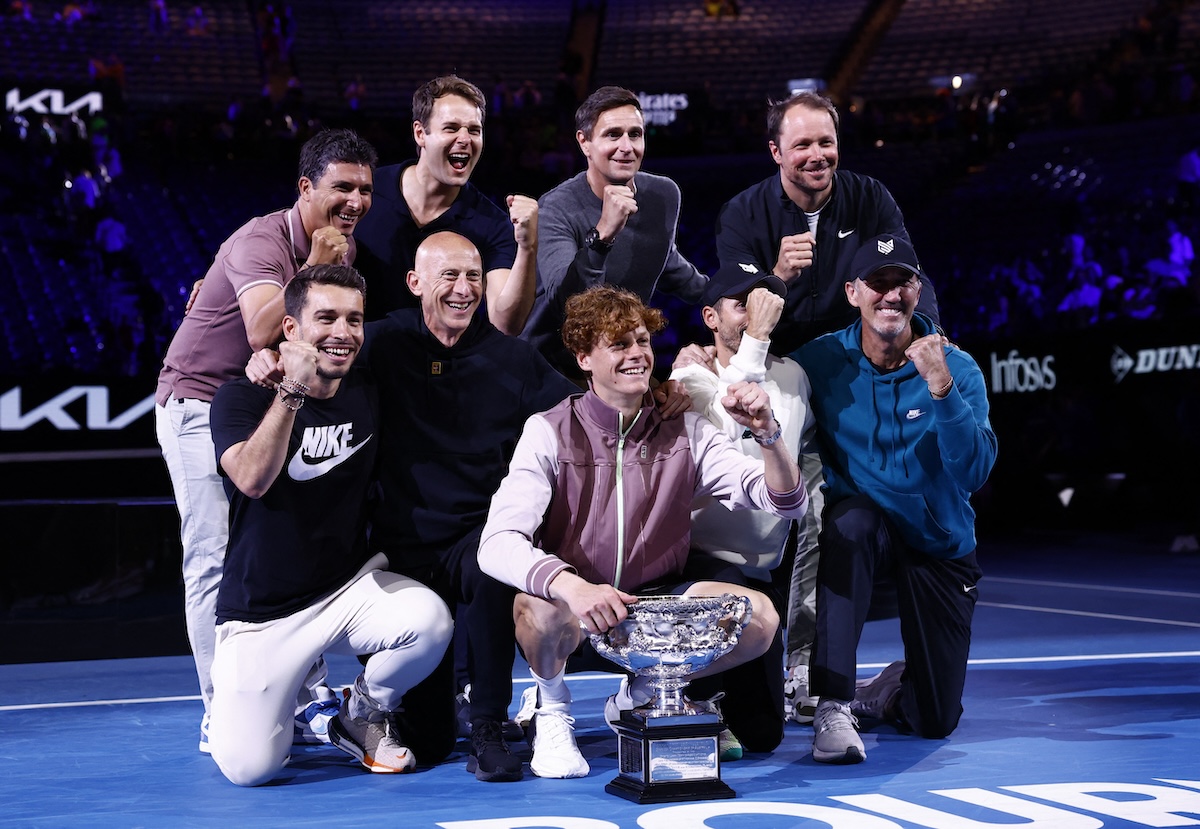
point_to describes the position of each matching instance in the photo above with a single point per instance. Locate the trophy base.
(644, 793)
(668, 759)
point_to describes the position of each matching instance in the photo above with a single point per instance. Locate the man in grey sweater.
(609, 224)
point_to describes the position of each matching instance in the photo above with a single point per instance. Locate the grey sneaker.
(798, 706)
(371, 743)
(875, 698)
(835, 737)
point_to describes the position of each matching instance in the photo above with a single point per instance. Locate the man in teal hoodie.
(903, 431)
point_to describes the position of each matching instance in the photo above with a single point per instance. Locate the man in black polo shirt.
(418, 198)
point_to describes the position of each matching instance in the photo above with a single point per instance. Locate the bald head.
(447, 275)
(441, 244)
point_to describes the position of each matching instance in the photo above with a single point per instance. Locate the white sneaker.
(312, 722)
(623, 700)
(204, 749)
(555, 753)
(528, 707)
(798, 706)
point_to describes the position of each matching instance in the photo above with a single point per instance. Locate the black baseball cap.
(885, 251)
(735, 278)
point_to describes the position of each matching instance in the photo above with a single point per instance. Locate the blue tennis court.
(1082, 710)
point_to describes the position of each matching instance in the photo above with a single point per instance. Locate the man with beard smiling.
(433, 193)
(609, 224)
(902, 428)
(805, 224)
(299, 578)
(741, 307)
(239, 308)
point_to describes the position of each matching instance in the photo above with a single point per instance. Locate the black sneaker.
(491, 760)
(513, 732)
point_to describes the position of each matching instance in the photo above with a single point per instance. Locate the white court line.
(599, 675)
(1145, 591)
(91, 702)
(1097, 657)
(1091, 615)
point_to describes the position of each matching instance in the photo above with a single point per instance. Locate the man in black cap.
(741, 307)
(902, 425)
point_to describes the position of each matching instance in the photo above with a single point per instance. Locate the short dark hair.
(606, 311)
(776, 110)
(428, 92)
(296, 292)
(338, 146)
(600, 101)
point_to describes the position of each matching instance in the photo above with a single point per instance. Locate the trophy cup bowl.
(668, 750)
(669, 638)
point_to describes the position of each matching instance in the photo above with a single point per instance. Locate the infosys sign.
(1018, 373)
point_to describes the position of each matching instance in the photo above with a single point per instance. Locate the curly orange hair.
(606, 311)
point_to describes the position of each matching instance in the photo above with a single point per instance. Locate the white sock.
(552, 691)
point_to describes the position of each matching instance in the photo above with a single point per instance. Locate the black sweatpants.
(484, 608)
(753, 703)
(935, 599)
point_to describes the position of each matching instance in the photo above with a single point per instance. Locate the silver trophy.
(668, 749)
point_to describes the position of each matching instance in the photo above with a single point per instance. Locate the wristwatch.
(592, 240)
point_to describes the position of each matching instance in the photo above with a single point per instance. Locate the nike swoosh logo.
(298, 470)
(842, 234)
(967, 588)
(913, 414)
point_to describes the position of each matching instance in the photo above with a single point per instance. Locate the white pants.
(187, 447)
(260, 666)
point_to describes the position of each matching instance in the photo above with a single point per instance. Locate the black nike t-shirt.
(306, 536)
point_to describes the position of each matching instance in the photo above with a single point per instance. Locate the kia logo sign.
(52, 102)
(97, 416)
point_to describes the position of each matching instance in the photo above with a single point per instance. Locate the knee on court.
(937, 725)
(763, 736)
(249, 767)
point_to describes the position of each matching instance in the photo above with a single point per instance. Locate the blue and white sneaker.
(204, 749)
(312, 724)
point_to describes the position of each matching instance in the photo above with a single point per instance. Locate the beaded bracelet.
(292, 402)
(292, 387)
(941, 393)
(772, 439)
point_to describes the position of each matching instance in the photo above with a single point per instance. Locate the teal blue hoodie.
(881, 434)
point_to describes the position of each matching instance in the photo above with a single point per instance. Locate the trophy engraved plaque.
(668, 750)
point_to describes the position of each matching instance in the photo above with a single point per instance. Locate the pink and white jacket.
(612, 501)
